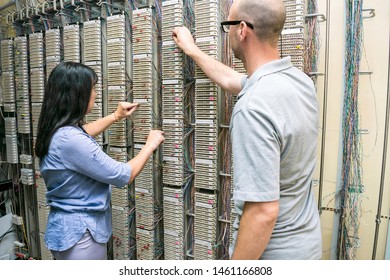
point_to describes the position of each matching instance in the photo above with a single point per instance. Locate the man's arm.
(255, 229)
(219, 73)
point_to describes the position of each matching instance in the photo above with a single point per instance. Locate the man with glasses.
(274, 129)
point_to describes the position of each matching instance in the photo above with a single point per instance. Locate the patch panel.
(171, 177)
(294, 24)
(37, 91)
(172, 148)
(173, 247)
(91, 35)
(142, 75)
(72, 43)
(21, 85)
(7, 55)
(144, 218)
(141, 134)
(45, 253)
(293, 45)
(97, 67)
(116, 27)
(142, 131)
(26, 159)
(206, 169)
(120, 197)
(8, 88)
(11, 140)
(145, 178)
(41, 188)
(173, 107)
(116, 49)
(293, 7)
(121, 232)
(43, 213)
(53, 49)
(117, 137)
(27, 176)
(207, 32)
(205, 227)
(37, 80)
(142, 31)
(10, 126)
(95, 114)
(145, 92)
(212, 11)
(174, 219)
(204, 250)
(294, 13)
(117, 153)
(12, 148)
(233, 216)
(92, 39)
(146, 245)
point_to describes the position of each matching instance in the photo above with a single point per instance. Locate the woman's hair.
(67, 94)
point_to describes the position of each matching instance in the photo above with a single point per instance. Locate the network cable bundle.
(180, 206)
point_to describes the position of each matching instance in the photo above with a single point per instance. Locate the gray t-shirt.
(274, 128)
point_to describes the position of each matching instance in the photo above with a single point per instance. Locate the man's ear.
(243, 30)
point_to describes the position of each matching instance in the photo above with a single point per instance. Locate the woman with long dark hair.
(77, 173)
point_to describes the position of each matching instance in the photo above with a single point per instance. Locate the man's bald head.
(267, 17)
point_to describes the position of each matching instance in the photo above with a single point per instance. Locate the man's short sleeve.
(256, 152)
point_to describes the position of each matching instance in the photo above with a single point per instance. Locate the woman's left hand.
(125, 109)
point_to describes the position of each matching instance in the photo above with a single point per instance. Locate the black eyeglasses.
(226, 24)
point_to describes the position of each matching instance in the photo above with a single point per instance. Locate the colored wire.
(351, 177)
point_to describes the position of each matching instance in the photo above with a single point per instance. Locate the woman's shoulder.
(68, 134)
(73, 137)
(69, 130)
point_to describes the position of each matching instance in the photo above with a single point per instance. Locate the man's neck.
(258, 55)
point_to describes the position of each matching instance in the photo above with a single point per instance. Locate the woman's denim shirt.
(78, 176)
